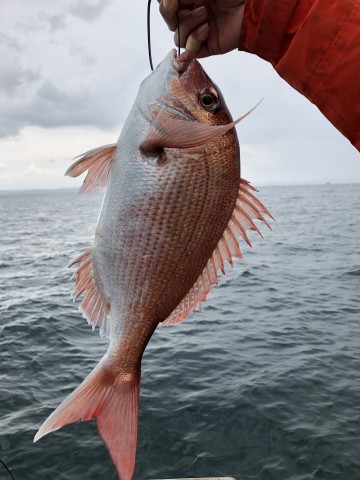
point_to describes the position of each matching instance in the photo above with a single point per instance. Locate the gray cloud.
(13, 76)
(51, 106)
(58, 21)
(81, 52)
(30, 24)
(48, 81)
(89, 10)
(9, 42)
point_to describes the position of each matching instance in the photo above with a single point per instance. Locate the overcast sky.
(69, 73)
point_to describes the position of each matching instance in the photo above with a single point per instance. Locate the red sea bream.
(174, 210)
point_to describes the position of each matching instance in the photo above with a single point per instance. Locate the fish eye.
(209, 101)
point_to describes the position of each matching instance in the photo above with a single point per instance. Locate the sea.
(263, 383)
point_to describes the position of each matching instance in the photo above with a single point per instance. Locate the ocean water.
(263, 383)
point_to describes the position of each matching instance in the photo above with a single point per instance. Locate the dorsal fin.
(247, 209)
(98, 163)
(93, 306)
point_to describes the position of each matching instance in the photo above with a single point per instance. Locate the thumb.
(196, 39)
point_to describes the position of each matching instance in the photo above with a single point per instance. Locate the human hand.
(207, 27)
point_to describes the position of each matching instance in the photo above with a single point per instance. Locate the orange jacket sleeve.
(315, 46)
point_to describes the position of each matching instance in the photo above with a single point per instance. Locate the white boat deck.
(198, 478)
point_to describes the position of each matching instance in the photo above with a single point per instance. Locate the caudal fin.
(114, 401)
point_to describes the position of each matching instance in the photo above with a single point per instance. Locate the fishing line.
(11, 475)
(149, 36)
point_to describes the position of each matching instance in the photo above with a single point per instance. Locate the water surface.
(263, 383)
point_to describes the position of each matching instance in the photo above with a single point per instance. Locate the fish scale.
(174, 210)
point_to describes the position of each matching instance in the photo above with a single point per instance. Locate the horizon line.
(260, 184)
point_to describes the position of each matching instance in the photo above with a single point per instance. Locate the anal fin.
(247, 209)
(93, 306)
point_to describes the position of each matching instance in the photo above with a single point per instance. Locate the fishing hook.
(149, 36)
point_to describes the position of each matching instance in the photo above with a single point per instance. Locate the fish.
(174, 211)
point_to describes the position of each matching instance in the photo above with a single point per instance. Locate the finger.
(196, 39)
(167, 9)
(189, 21)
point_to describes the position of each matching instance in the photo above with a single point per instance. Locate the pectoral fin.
(98, 163)
(170, 132)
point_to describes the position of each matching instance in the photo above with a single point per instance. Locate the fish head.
(184, 107)
(180, 85)
(197, 93)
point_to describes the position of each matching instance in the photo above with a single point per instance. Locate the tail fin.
(113, 399)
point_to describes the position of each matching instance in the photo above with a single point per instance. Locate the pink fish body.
(174, 210)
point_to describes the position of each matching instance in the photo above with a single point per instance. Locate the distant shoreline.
(258, 185)
(40, 190)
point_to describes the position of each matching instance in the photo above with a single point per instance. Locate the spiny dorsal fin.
(247, 209)
(93, 306)
(98, 163)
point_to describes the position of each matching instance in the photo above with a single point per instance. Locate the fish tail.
(111, 398)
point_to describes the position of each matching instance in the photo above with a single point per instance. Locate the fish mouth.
(178, 63)
(181, 62)
(171, 104)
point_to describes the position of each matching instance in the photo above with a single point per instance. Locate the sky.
(70, 71)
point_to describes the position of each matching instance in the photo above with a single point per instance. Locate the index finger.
(168, 11)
